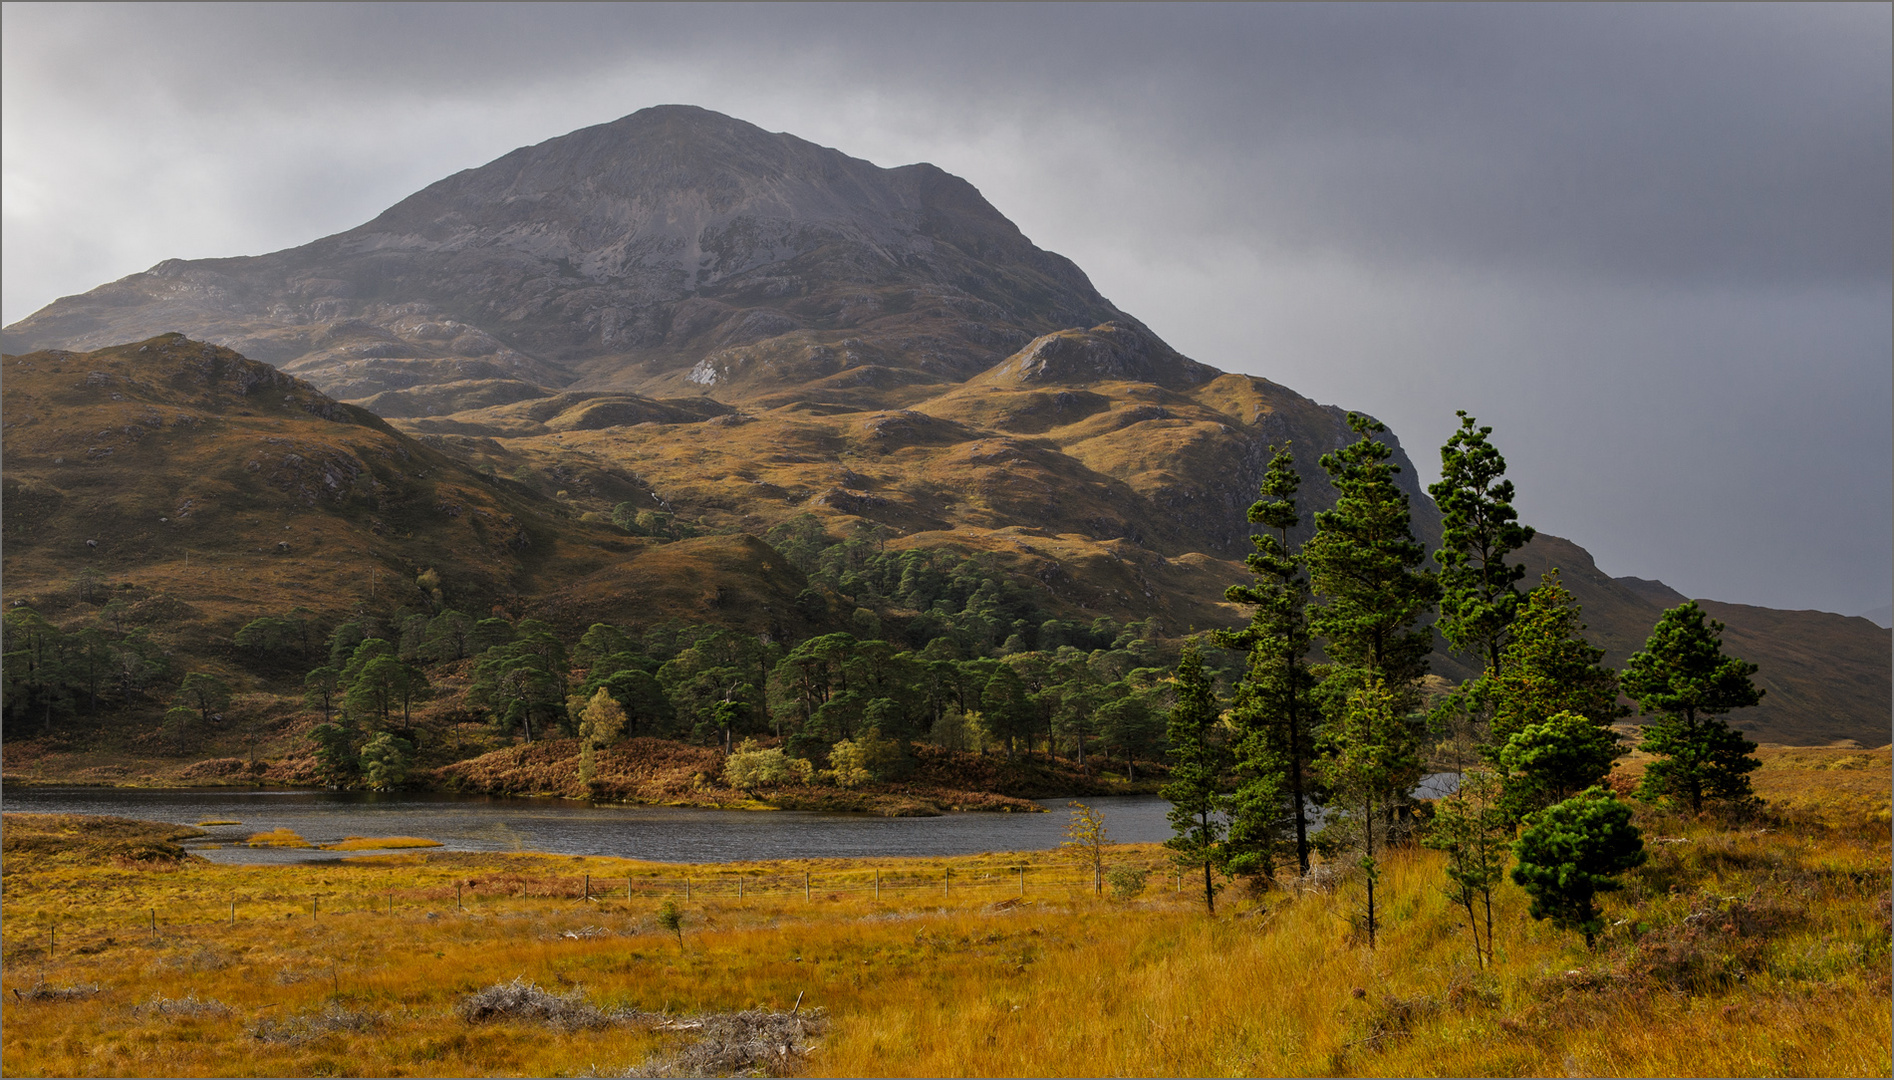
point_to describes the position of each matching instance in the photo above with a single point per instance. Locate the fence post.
(457, 896)
(627, 890)
(233, 913)
(805, 885)
(52, 940)
(947, 881)
(687, 888)
(877, 884)
(154, 922)
(588, 886)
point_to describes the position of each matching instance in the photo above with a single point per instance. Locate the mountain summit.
(626, 255)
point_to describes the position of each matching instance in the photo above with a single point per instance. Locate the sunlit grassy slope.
(1740, 949)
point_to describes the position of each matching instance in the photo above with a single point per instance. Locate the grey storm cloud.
(1650, 244)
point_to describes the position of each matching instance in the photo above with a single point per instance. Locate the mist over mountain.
(746, 327)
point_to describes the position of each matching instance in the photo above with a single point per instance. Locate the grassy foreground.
(1739, 949)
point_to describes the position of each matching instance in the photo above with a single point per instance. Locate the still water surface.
(664, 834)
(658, 833)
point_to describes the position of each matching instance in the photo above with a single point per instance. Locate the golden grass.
(377, 843)
(1745, 949)
(277, 838)
(219, 821)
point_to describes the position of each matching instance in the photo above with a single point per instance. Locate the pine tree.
(1549, 762)
(1371, 761)
(1547, 667)
(385, 760)
(1476, 833)
(1364, 566)
(1572, 851)
(1273, 711)
(1196, 813)
(1683, 677)
(1479, 528)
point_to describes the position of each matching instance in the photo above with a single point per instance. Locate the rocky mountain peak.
(626, 256)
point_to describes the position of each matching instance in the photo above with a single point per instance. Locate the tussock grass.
(379, 843)
(1743, 948)
(277, 838)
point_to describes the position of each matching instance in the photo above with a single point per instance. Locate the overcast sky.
(1649, 245)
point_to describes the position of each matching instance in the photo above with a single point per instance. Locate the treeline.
(1352, 734)
(49, 674)
(940, 648)
(716, 686)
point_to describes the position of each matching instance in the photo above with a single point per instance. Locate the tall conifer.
(1196, 814)
(1684, 678)
(1364, 565)
(1548, 667)
(1372, 761)
(1479, 528)
(1273, 713)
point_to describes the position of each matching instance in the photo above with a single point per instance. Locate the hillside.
(679, 311)
(180, 487)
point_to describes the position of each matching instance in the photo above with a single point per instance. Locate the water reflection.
(667, 834)
(560, 826)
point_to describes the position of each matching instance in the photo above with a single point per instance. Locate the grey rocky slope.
(672, 250)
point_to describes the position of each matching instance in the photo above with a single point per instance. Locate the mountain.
(680, 309)
(675, 249)
(201, 490)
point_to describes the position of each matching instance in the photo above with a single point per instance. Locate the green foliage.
(1007, 707)
(385, 761)
(1273, 711)
(523, 682)
(599, 641)
(960, 597)
(867, 759)
(1363, 565)
(1479, 528)
(383, 684)
(751, 767)
(1683, 678)
(1547, 667)
(1572, 851)
(1085, 840)
(1197, 764)
(1476, 833)
(336, 761)
(1130, 721)
(712, 684)
(672, 919)
(450, 636)
(267, 637)
(1370, 762)
(36, 668)
(1551, 761)
(601, 722)
(206, 693)
(322, 691)
(1127, 881)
